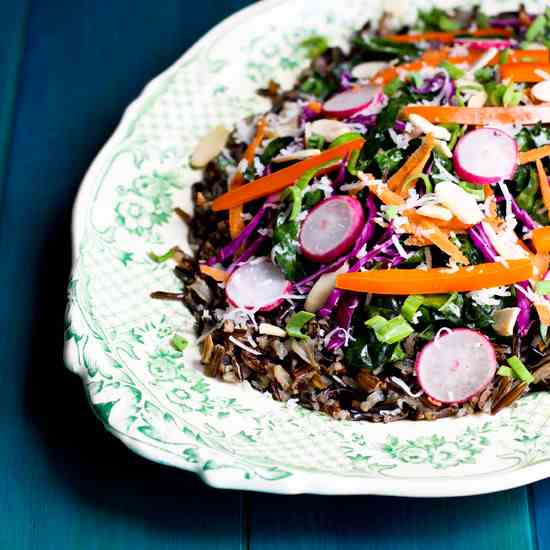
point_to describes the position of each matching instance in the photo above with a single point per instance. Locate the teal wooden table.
(67, 70)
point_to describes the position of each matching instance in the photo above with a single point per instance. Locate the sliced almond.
(482, 61)
(321, 289)
(541, 91)
(505, 320)
(461, 203)
(329, 129)
(209, 147)
(365, 71)
(298, 155)
(427, 127)
(271, 330)
(478, 99)
(436, 212)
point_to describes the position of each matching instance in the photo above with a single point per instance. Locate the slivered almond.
(436, 212)
(209, 147)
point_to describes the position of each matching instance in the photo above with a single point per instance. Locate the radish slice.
(486, 156)
(331, 228)
(487, 44)
(349, 103)
(258, 285)
(456, 366)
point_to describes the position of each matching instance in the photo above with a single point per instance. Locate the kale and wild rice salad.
(376, 245)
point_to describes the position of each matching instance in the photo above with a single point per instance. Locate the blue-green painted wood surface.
(67, 71)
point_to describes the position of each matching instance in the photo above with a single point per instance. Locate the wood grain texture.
(64, 482)
(489, 522)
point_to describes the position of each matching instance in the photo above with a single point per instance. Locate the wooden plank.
(540, 495)
(382, 523)
(64, 482)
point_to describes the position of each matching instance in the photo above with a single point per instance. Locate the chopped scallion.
(520, 370)
(411, 306)
(163, 257)
(179, 343)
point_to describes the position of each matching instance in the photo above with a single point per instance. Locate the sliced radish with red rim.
(331, 228)
(456, 366)
(486, 156)
(258, 285)
(351, 102)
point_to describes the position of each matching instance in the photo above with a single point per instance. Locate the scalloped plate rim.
(307, 482)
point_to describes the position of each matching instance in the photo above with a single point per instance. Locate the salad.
(376, 246)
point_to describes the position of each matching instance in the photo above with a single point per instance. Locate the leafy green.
(416, 79)
(478, 316)
(389, 161)
(482, 20)
(469, 250)
(378, 45)
(485, 75)
(397, 354)
(451, 310)
(537, 28)
(526, 199)
(311, 198)
(295, 324)
(318, 86)
(454, 72)
(285, 249)
(315, 46)
(437, 20)
(274, 147)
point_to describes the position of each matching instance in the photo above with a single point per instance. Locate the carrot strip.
(440, 239)
(523, 72)
(528, 56)
(541, 239)
(543, 311)
(218, 275)
(236, 223)
(436, 281)
(454, 224)
(446, 37)
(315, 106)
(414, 165)
(534, 154)
(278, 181)
(544, 186)
(529, 114)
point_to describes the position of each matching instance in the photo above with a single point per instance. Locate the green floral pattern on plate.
(156, 399)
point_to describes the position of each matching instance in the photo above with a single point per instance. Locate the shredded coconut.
(489, 296)
(400, 140)
(259, 167)
(399, 247)
(528, 293)
(324, 185)
(510, 218)
(244, 132)
(242, 167)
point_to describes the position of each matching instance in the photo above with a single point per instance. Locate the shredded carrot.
(386, 195)
(446, 37)
(236, 223)
(543, 311)
(437, 281)
(433, 58)
(529, 114)
(414, 165)
(544, 186)
(534, 154)
(540, 263)
(218, 275)
(315, 106)
(541, 239)
(441, 239)
(523, 72)
(278, 181)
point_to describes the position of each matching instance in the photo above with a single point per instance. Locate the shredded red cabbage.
(344, 316)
